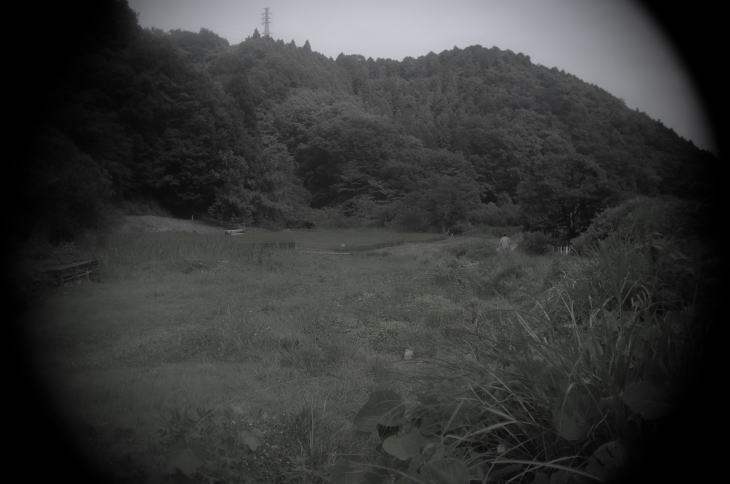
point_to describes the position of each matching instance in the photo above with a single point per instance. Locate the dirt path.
(425, 248)
(156, 223)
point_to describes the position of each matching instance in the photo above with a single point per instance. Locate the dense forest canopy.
(264, 132)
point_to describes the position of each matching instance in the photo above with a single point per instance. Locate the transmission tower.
(266, 21)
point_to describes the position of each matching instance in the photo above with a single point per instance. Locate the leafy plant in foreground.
(564, 391)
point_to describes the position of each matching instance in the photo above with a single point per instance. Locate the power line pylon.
(266, 21)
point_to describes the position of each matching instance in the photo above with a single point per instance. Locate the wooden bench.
(64, 273)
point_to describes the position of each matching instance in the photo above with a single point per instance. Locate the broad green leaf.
(446, 471)
(185, 460)
(345, 471)
(383, 407)
(250, 440)
(404, 446)
(503, 472)
(571, 425)
(648, 399)
(415, 463)
(607, 460)
(433, 451)
(573, 418)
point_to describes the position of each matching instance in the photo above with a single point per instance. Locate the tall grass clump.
(566, 389)
(654, 240)
(536, 243)
(477, 269)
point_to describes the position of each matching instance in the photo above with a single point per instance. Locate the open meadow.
(491, 250)
(224, 359)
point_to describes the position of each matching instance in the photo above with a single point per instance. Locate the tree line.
(267, 132)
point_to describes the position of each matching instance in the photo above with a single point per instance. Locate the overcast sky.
(611, 43)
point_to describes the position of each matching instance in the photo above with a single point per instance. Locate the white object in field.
(504, 243)
(408, 354)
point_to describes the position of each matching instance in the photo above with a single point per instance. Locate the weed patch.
(563, 388)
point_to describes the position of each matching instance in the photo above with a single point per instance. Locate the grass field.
(182, 325)
(213, 357)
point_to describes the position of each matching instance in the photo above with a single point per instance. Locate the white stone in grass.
(408, 354)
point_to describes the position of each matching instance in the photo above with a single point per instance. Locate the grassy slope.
(189, 325)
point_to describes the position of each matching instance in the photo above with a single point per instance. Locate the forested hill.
(266, 132)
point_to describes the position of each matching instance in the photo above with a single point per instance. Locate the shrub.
(566, 389)
(412, 219)
(474, 249)
(639, 220)
(333, 217)
(458, 228)
(654, 240)
(367, 212)
(536, 243)
(73, 196)
(507, 213)
(299, 224)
